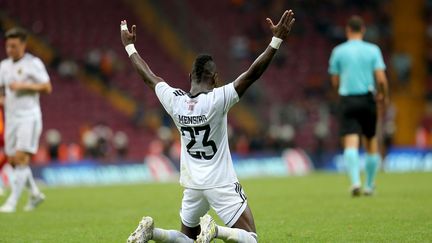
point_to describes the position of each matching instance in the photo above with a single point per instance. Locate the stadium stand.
(71, 100)
(298, 78)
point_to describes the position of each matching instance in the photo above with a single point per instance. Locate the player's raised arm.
(128, 40)
(280, 32)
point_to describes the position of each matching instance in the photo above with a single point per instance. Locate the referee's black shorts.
(358, 115)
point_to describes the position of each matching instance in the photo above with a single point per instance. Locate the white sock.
(235, 235)
(168, 236)
(31, 184)
(17, 185)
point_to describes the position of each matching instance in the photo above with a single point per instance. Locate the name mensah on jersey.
(192, 120)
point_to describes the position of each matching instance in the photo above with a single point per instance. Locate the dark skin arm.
(281, 30)
(149, 78)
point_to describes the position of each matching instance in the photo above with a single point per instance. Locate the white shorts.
(228, 202)
(22, 136)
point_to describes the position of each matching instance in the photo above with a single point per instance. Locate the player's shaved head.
(356, 24)
(203, 68)
(16, 32)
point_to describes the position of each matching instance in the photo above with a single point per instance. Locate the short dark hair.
(355, 23)
(200, 70)
(16, 32)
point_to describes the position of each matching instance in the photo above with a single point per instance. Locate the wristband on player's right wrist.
(275, 42)
(130, 49)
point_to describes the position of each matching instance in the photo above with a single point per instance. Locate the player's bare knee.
(21, 158)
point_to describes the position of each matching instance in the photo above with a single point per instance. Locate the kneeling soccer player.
(207, 172)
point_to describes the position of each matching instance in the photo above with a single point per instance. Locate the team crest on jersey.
(191, 104)
(19, 71)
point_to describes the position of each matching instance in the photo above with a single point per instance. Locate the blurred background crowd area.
(101, 109)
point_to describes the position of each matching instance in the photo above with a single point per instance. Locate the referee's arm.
(382, 86)
(335, 81)
(334, 69)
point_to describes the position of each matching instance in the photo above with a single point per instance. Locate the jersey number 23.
(193, 131)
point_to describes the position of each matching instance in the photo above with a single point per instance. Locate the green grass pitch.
(314, 208)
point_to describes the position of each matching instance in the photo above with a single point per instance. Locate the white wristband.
(130, 49)
(276, 42)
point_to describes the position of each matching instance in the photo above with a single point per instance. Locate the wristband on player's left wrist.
(276, 42)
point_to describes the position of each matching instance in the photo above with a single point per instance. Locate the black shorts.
(358, 115)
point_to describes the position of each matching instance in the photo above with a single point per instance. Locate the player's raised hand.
(126, 36)
(283, 28)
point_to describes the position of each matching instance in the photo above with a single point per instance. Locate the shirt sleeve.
(39, 72)
(230, 96)
(334, 67)
(165, 94)
(379, 61)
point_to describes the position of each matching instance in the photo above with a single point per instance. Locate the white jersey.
(202, 123)
(29, 69)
